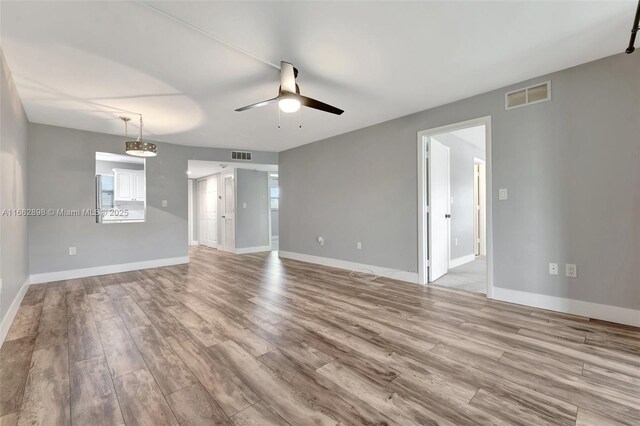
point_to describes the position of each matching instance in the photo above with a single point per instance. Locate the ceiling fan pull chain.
(300, 118)
(278, 118)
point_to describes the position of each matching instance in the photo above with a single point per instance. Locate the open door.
(208, 211)
(228, 212)
(439, 209)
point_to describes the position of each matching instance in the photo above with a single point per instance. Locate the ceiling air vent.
(241, 155)
(527, 96)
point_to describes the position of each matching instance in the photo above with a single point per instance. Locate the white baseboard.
(108, 269)
(258, 249)
(194, 243)
(13, 310)
(459, 261)
(395, 274)
(569, 306)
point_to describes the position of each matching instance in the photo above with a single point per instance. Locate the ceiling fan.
(289, 99)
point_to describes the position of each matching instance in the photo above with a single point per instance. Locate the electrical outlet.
(321, 241)
(164, 203)
(244, 205)
(571, 270)
(503, 194)
(72, 251)
(359, 245)
(553, 269)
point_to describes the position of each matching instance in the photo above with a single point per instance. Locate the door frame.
(483, 207)
(422, 142)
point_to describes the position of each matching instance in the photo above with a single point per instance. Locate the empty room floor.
(254, 339)
(471, 276)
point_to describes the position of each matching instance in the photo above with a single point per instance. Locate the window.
(274, 191)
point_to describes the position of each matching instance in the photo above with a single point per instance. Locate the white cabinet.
(139, 187)
(129, 185)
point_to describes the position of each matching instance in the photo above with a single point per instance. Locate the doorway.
(233, 207)
(454, 226)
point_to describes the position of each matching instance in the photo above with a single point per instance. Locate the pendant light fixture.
(138, 148)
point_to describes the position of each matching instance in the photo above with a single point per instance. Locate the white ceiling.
(76, 63)
(197, 169)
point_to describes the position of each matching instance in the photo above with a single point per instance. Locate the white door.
(439, 209)
(208, 212)
(211, 212)
(228, 212)
(202, 212)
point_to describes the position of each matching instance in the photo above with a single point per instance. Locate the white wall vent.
(534, 94)
(241, 155)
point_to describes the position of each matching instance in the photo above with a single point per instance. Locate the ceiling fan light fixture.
(289, 105)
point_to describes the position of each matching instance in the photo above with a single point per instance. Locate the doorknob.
(447, 216)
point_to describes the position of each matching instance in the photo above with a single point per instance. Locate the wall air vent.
(241, 155)
(527, 96)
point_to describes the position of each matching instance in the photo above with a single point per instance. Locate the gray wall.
(14, 264)
(571, 165)
(252, 222)
(61, 175)
(461, 159)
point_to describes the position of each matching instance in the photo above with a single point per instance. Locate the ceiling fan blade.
(257, 105)
(287, 77)
(315, 104)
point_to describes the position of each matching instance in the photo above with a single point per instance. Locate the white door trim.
(422, 138)
(483, 228)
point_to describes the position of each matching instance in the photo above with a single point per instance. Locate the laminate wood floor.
(255, 340)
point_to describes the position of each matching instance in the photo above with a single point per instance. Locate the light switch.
(164, 203)
(502, 194)
(72, 251)
(244, 205)
(553, 269)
